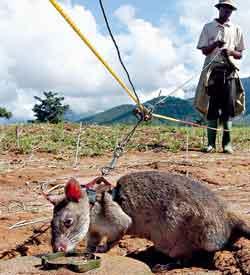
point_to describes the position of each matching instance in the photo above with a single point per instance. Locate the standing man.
(220, 95)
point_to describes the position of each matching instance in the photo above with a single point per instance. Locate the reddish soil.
(20, 198)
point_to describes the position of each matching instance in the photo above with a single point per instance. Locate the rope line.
(117, 49)
(187, 81)
(105, 171)
(187, 122)
(95, 52)
(179, 87)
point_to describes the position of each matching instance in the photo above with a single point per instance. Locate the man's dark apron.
(221, 103)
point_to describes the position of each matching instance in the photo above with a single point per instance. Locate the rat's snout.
(61, 248)
(60, 245)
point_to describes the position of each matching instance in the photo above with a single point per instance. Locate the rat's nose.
(61, 248)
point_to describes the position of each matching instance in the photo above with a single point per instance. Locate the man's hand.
(235, 54)
(227, 52)
(219, 43)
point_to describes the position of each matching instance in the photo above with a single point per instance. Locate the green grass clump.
(61, 139)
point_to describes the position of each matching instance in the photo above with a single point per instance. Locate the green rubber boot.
(226, 139)
(211, 136)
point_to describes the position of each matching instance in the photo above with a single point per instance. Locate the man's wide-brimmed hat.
(230, 3)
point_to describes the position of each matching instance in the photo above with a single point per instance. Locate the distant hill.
(114, 115)
(172, 106)
(70, 115)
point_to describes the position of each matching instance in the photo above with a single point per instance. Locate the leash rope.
(95, 52)
(188, 123)
(187, 81)
(106, 170)
(181, 86)
(117, 49)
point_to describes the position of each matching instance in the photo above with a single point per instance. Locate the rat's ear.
(55, 199)
(73, 190)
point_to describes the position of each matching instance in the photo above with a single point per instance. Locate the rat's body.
(179, 215)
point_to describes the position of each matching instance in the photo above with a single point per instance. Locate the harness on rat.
(97, 186)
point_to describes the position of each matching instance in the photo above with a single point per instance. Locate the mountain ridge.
(172, 106)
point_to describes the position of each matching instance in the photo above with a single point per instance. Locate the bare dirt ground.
(21, 177)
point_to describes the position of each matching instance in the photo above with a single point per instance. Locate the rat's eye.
(68, 222)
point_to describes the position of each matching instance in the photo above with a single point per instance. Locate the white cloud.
(40, 52)
(152, 54)
(126, 13)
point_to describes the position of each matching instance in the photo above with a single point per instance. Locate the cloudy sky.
(40, 52)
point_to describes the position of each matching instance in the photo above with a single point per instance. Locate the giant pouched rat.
(178, 214)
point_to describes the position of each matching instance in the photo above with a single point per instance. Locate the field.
(36, 155)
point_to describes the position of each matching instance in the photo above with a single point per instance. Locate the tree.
(50, 109)
(5, 113)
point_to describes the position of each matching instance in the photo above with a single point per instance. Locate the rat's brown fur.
(179, 215)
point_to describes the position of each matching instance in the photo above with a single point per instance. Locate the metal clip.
(143, 115)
